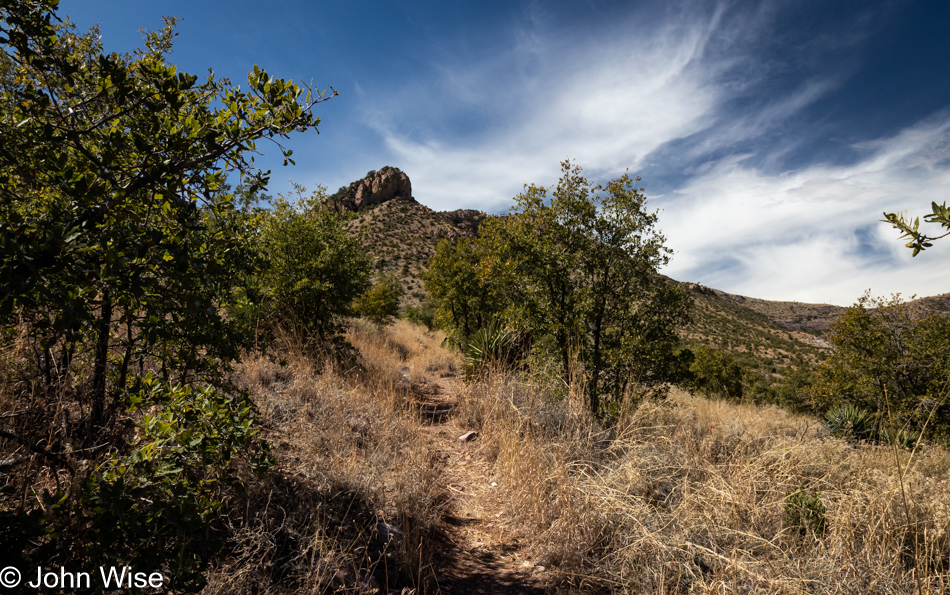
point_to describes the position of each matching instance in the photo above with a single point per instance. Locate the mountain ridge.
(401, 234)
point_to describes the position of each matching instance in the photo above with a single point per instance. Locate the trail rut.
(482, 554)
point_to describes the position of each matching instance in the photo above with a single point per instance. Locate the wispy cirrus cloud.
(814, 234)
(607, 103)
(722, 110)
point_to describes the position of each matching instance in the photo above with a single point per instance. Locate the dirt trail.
(483, 555)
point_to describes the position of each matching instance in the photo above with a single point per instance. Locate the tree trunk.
(100, 369)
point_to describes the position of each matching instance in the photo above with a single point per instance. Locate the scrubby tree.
(380, 303)
(578, 270)
(312, 268)
(887, 358)
(581, 267)
(121, 252)
(716, 372)
(114, 233)
(466, 299)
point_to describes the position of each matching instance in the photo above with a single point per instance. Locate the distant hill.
(402, 234)
(797, 316)
(762, 332)
(399, 233)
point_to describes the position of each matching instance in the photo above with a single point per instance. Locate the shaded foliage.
(154, 504)
(886, 359)
(114, 234)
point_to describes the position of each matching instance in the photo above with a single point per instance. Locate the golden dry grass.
(682, 495)
(351, 465)
(689, 495)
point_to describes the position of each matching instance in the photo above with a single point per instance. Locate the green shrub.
(381, 303)
(888, 359)
(805, 512)
(313, 270)
(423, 314)
(716, 372)
(157, 506)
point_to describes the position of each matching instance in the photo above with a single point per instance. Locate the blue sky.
(772, 135)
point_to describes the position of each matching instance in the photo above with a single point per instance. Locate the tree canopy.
(123, 259)
(576, 268)
(110, 174)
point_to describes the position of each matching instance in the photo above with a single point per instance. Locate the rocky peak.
(377, 187)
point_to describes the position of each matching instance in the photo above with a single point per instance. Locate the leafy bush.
(381, 303)
(157, 506)
(805, 512)
(423, 314)
(313, 270)
(716, 372)
(465, 300)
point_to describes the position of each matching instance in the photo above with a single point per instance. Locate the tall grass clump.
(690, 495)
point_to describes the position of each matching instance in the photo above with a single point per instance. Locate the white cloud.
(814, 234)
(478, 129)
(607, 104)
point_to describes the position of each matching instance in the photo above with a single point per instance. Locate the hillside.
(401, 234)
(728, 322)
(814, 319)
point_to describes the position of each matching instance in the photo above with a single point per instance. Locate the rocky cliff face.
(377, 187)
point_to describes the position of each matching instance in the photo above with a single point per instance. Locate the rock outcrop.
(377, 187)
(466, 220)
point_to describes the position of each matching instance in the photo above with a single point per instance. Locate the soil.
(482, 553)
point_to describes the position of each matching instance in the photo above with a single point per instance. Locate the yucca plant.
(849, 421)
(903, 437)
(490, 345)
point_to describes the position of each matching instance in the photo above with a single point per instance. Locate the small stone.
(388, 531)
(494, 484)
(468, 436)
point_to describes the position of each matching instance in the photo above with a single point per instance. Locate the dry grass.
(684, 495)
(356, 500)
(689, 496)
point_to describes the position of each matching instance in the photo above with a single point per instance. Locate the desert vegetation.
(256, 394)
